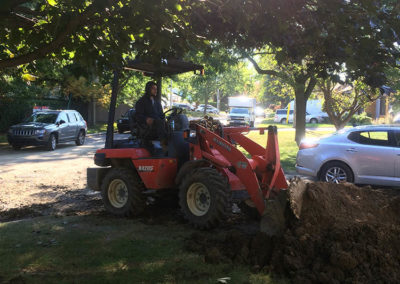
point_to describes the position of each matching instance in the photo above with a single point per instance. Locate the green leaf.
(28, 77)
(178, 7)
(52, 2)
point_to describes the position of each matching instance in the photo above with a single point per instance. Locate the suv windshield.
(42, 117)
(240, 110)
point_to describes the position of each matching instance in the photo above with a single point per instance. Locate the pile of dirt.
(344, 234)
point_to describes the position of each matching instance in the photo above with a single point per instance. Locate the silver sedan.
(362, 155)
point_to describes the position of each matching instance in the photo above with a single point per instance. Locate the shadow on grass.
(106, 249)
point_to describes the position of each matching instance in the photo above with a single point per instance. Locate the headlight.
(247, 118)
(120, 121)
(40, 131)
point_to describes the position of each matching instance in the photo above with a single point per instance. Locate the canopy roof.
(166, 68)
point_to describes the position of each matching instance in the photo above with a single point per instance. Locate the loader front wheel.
(204, 198)
(121, 191)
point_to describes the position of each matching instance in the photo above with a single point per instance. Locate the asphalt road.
(31, 154)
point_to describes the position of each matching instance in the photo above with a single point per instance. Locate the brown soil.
(344, 234)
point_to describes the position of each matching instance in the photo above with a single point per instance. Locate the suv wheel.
(80, 140)
(52, 143)
(283, 120)
(313, 120)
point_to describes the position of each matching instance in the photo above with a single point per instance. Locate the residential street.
(40, 181)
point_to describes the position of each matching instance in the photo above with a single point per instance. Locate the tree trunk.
(301, 102)
(111, 113)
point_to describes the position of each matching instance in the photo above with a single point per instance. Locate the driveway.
(36, 180)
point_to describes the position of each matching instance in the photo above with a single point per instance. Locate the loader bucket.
(278, 210)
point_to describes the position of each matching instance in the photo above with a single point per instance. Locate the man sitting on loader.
(150, 117)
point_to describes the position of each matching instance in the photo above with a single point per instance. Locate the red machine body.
(259, 175)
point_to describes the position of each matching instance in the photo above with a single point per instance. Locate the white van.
(313, 108)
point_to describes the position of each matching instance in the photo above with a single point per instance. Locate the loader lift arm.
(260, 175)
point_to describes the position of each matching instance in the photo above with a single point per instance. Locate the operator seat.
(178, 147)
(133, 125)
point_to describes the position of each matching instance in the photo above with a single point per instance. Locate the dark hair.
(149, 84)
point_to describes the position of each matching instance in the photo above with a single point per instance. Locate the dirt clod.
(344, 234)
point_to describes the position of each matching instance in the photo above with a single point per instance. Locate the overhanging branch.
(263, 71)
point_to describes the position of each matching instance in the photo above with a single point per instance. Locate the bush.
(361, 119)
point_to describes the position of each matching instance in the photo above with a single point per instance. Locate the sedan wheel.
(336, 175)
(336, 172)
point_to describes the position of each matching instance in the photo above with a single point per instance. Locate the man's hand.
(149, 121)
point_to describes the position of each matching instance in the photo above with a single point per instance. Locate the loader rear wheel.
(121, 191)
(204, 198)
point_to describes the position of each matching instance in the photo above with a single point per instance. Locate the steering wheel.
(174, 111)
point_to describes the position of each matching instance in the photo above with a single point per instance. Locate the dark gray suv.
(48, 128)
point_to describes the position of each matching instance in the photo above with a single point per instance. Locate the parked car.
(210, 109)
(48, 128)
(281, 114)
(123, 122)
(184, 106)
(363, 155)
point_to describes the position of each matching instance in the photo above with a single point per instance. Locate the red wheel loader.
(203, 163)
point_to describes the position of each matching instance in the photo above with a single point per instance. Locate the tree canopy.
(93, 31)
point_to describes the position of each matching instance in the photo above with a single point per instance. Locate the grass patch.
(88, 249)
(287, 146)
(100, 127)
(3, 139)
(198, 114)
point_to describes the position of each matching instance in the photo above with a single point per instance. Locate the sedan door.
(372, 157)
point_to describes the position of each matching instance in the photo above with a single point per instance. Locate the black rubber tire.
(136, 202)
(16, 147)
(313, 121)
(283, 120)
(51, 146)
(343, 166)
(80, 140)
(220, 201)
(252, 124)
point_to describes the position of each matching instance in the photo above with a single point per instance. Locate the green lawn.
(100, 127)
(287, 145)
(3, 139)
(89, 249)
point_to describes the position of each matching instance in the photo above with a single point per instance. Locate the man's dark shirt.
(145, 108)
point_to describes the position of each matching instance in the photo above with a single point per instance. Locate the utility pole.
(170, 94)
